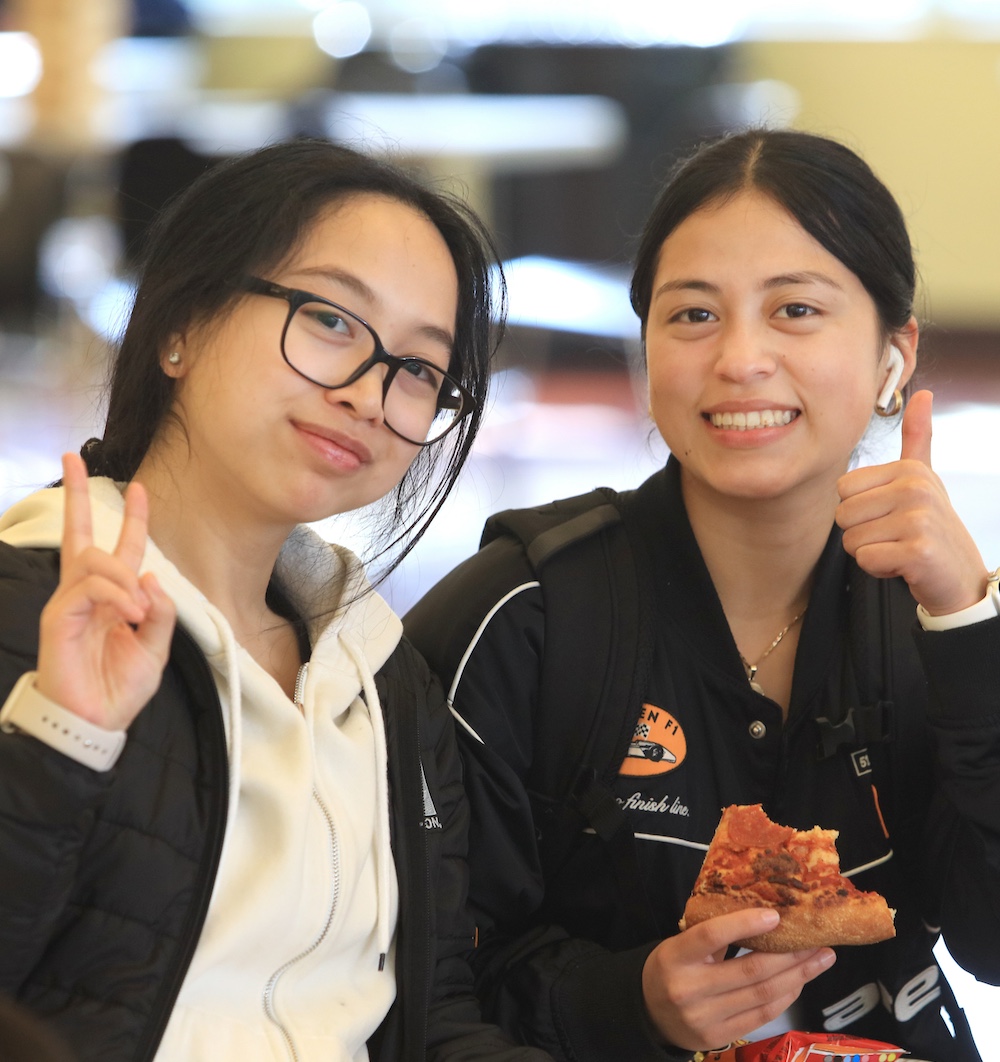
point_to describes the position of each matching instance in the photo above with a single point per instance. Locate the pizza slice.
(754, 862)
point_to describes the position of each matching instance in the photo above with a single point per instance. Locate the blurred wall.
(926, 115)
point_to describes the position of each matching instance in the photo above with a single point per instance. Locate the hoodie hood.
(317, 575)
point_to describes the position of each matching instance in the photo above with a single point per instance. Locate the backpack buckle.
(860, 726)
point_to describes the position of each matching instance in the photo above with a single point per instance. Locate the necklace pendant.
(751, 670)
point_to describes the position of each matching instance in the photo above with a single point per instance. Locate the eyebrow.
(806, 276)
(356, 285)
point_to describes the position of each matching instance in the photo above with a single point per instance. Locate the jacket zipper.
(272, 983)
(413, 958)
(218, 762)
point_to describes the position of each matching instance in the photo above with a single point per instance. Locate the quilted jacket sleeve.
(47, 801)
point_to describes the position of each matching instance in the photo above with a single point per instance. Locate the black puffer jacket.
(106, 878)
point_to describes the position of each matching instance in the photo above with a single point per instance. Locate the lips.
(336, 446)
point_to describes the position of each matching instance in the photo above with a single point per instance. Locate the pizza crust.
(753, 862)
(803, 926)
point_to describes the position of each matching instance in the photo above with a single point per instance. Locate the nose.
(364, 395)
(744, 354)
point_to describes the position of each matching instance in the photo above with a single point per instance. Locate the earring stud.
(174, 358)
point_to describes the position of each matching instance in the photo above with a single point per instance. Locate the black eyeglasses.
(332, 347)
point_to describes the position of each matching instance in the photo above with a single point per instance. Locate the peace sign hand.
(898, 520)
(105, 632)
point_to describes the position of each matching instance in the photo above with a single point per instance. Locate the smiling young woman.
(771, 593)
(763, 352)
(230, 801)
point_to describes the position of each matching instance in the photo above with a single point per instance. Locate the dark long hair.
(246, 216)
(826, 187)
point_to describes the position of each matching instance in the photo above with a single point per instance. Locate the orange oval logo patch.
(658, 744)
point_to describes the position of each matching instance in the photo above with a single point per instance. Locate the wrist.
(986, 608)
(28, 711)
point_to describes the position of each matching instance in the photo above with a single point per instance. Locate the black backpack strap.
(870, 670)
(590, 682)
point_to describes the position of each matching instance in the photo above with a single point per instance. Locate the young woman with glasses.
(782, 658)
(230, 806)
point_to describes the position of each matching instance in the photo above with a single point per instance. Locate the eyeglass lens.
(326, 345)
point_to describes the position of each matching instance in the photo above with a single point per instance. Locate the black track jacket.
(918, 813)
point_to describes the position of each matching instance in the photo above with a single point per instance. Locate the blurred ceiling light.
(510, 132)
(20, 64)
(629, 22)
(342, 29)
(569, 297)
(107, 312)
(699, 25)
(417, 45)
(769, 102)
(77, 256)
(149, 64)
(575, 27)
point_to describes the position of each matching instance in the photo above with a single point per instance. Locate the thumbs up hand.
(898, 521)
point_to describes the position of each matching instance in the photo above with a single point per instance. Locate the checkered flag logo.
(658, 743)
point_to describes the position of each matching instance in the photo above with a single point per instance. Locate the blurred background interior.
(557, 119)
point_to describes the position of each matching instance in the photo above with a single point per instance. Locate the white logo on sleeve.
(916, 994)
(431, 820)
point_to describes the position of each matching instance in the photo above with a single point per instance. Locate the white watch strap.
(986, 609)
(28, 711)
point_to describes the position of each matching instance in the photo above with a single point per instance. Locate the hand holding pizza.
(105, 632)
(897, 520)
(697, 999)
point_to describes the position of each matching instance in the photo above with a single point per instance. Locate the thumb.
(917, 428)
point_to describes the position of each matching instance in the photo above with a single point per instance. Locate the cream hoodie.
(305, 902)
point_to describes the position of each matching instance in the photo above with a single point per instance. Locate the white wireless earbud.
(896, 366)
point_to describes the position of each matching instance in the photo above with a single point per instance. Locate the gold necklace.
(751, 669)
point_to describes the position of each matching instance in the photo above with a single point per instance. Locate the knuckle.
(920, 492)
(754, 967)
(675, 996)
(763, 993)
(676, 989)
(773, 1008)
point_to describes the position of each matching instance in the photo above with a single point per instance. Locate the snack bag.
(805, 1047)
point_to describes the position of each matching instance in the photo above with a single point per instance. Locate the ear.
(905, 341)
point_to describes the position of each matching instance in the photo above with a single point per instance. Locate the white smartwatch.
(31, 713)
(986, 609)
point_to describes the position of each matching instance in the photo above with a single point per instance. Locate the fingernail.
(769, 917)
(827, 958)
